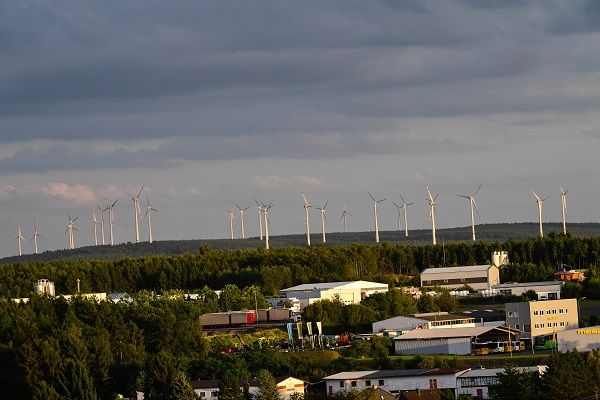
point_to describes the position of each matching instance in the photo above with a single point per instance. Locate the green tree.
(75, 382)
(181, 388)
(567, 376)
(229, 386)
(517, 384)
(267, 387)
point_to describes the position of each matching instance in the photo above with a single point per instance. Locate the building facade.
(478, 277)
(582, 339)
(548, 290)
(538, 318)
(436, 320)
(477, 382)
(351, 292)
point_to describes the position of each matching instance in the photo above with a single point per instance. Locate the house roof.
(431, 394)
(466, 268)
(485, 372)
(391, 373)
(214, 383)
(337, 285)
(526, 284)
(441, 316)
(450, 333)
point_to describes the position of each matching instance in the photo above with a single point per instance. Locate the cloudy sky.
(212, 103)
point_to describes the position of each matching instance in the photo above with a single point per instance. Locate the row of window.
(457, 281)
(548, 325)
(381, 382)
(550, 312)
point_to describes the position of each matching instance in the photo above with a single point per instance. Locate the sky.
(214, 103)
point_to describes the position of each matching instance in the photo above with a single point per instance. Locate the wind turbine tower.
(404, 206)
(345, 213)
(36, 234)
(375, 202)
(323, 217)
(563, 201)
(259, 211)
(432, 205)
(306, 219)
(95, 223)
(540, 204)
(69, 231)
(231, 218)
(102, 210)
(148, 217)
(265, 210)
(111, 221)
(474, 208)
(138, 213)
(242, 220)
(19, 238)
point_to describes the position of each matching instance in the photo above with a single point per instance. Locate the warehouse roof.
(447, 270)
(482, 372)
(450, 333)
(337, 285)
(391, 373)
(526, 284)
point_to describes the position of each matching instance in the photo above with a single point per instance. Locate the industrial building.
(351, 292)
(456, 341)
(432, 320)
(547, 290)
(478, 277)
(393, 381)
(538, 318)
(476, 382)
(582, 339)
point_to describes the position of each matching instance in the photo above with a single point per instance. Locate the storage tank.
(500, 258)
(44, 287)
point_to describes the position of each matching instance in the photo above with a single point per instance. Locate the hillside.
(487, 233)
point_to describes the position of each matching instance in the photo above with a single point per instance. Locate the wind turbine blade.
(409, 204)
(397, 206)
(140, 192)
(372, 196)
(429, 193)
(545, 198)
(380, 200)
(147, 200)
(402, 198)
(342, 217)
(238, 207)
(113, 204)
(476, 208)
(435, 197)
(463, 196)
(535, 195)
(154, 209)
(325, 206)
(245, 209)
(478, 189)
(304, 198)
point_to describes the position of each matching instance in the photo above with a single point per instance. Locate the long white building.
(350, 292)
(479, 277)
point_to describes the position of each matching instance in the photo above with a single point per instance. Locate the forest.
(397, 264)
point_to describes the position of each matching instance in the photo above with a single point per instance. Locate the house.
(208, 389)
(539, 318)
(434, 320)
(476, 382)
(393, 381)
(456, 341)
(351, 292)
(547, 290)
(478, 277)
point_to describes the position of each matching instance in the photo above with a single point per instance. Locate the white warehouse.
(478, 277)
(350, 292)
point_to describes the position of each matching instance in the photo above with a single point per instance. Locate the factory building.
(582, 339)
(538, 318)
(478, 277)
(547, 290)
(477, 382)
(456, 341)
(351, 292)
(434, 320)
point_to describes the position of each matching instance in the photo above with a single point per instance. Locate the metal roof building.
(478, 277)
(349, 292)
(546, 290)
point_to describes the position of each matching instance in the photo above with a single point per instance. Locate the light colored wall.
(395, 384)
(583, 339)
(549, 318)
(457, 346)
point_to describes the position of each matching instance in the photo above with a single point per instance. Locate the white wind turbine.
(242, 220)
(231, 218)
(563, 201)
(36, 234)
(19, 238)
(345, 213)
(540, 204)
(323, 218)
(404, 206)
(260, 226)
(148, 217)
(69, 231)
(306, 219)
(95, 223)
(102, 210)
(432, 205)
(375, 202)
(265, 210)
(138, 213)
(474, 208)
(111, 221)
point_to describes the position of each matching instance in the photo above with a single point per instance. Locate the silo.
(44, 287)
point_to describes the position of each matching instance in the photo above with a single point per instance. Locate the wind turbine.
(111, 221)
(306, 219)
(323, 217)
(148, 213)
(540, 204)
(259, 211)
(474, 208)
(404, 206)
(265, 210)
(138, 213)
(563, 201)
(375, 202)
(432, 205)
(242, 220)
(102, 210)
(95, 223)
(345, 213)
(69, 231)
(36, 234)
(19, 238)
(231, 218)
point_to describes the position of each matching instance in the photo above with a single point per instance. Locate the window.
(353, 383)
(510, 313)
(517, 326)
(562, 324)
(566, 310)
(535, 312)
(553, 311)
(381, 383)
(367, 383)
(202, 394)
(342, 384)
(560, 311)
(433, 384)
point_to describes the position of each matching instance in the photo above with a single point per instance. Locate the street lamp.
(579, 319)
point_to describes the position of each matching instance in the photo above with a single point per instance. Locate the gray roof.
(450, 332)
(466, 268)
(526, 284)
(336, 285)
(391, 373)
